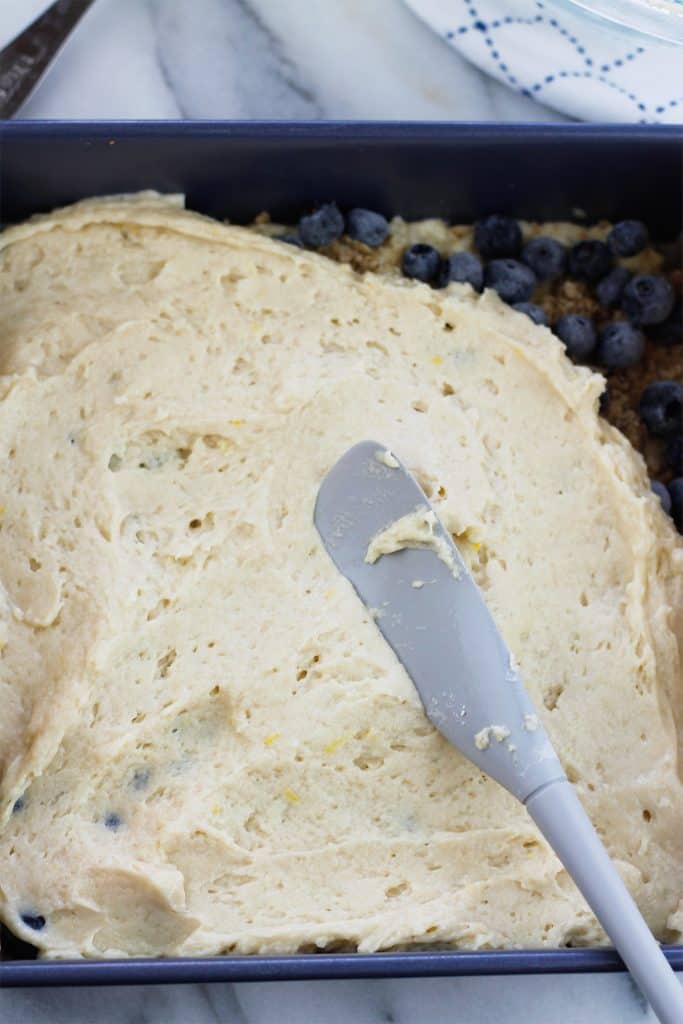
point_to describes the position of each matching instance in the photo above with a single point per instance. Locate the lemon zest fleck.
(336, 744)
(236, 423)
(269, 740)
(437, 360)
(290, 795)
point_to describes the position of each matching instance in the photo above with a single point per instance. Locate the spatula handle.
(561, 818)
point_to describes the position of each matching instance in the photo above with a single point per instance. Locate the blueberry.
(661, 408)
(322, 226)
(466, 268)
(673, 453)
(497, 236)
(603, 402)
(609, 290)
(112, 821)
(662, 492)
(533, 311)
(676, 495)
(513, 281)
(670, 331)
(578, 333)
(648, 299)
(18, 805)
(367, 226)
(35, 921)
(421, 262)
(463, 267)
(546, 257)
(590, 260)
(628, 237)
(620, 345)
(291, 239)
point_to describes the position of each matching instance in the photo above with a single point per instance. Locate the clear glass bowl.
(659, 19)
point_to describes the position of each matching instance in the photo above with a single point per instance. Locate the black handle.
(24, 60)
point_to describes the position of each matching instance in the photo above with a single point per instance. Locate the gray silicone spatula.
(432, 614)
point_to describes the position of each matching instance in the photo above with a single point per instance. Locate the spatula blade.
(435, 619)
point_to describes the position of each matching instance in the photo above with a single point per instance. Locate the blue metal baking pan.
(234, 170)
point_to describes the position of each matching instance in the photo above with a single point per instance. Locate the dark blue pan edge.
(314, 967)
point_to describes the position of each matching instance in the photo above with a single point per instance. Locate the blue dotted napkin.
(563, 56)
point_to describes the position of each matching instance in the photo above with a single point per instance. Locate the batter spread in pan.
(205, 743)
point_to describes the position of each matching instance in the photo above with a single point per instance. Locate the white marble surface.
(587, 999)
(260, 59)
(288, 59)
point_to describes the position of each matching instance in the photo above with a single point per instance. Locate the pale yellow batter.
(207, 744)
(413, 530)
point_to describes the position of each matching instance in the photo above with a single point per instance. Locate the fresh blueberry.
(590, 260)
(579, 335)
(35, 921)
(18, 805)
(463, 267)
(609, 290)
(603, 402)
(367, 226)
(514, 281)
(546, 257)
(661, 408)
(648, 299)
(620, 345)
(291, 239)
(670, 331)
(534, 312)
(676, 495)
(112, 821)
(497, 236)
(673, 453)
(421, 262)
(662, 492)
(321, 227)
(628, 237)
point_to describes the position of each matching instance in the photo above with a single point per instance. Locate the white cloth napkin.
(559, 54)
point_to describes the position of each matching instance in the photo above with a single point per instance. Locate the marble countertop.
(260, 59)
(562, 999)
(288, 59)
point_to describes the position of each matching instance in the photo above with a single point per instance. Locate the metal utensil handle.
(561, 818)
(25, 59)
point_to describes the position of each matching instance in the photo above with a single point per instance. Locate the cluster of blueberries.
(327, 223)
(513, 269)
